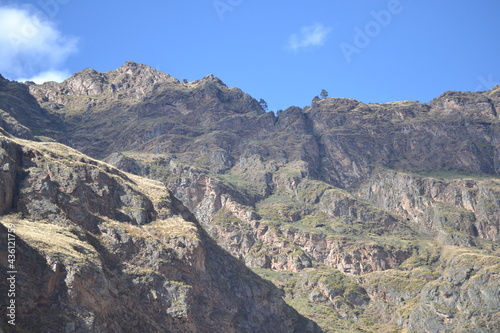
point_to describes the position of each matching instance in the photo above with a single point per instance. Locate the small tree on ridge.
(323, 94)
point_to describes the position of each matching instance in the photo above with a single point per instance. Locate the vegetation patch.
(57, 242)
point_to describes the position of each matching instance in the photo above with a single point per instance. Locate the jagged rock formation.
(136, 107)
(359, 212)
(102, 251)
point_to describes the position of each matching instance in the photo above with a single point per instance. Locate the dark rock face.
(369, 217)
(102, 251)
(22, 116)
(405, 135)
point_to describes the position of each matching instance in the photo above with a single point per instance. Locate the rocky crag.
(371, 217)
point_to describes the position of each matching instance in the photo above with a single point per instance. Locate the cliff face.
(207, 124)
(370, 217)
(99, 250)
(455, 131)
(444, 200)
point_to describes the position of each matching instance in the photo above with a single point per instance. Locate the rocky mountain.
(99, 250)
(368, 217)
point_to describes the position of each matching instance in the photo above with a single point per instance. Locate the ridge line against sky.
(283, 51)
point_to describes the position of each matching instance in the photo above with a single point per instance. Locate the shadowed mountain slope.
(99, 250)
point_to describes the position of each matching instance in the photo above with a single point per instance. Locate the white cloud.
(31, 46)
(311, 35)
(54, 75)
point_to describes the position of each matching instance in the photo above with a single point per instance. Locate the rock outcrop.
(469, 285)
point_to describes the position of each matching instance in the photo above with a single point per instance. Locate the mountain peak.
(138, 72)
(132, 67)
(214, 79)
(132, 79)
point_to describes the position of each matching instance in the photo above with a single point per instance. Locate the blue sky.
(284, 51)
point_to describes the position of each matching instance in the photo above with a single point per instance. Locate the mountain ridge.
(351, 199)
